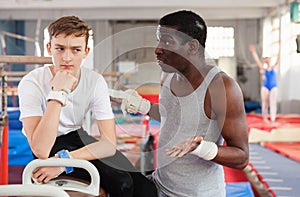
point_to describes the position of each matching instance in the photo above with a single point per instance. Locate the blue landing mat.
(281, 173)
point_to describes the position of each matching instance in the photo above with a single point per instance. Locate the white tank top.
(181, 118)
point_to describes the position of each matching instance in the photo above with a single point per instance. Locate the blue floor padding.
(239, 189)
(13, 118)
(19, 152)
(281, 173)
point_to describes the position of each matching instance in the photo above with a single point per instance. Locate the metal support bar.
(4, 129)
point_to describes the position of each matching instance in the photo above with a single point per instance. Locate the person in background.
(269, 89)
(201, 111)
(54, 101)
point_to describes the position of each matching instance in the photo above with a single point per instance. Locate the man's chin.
(167, 69)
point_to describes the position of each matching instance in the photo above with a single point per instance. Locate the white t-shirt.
(91, 93)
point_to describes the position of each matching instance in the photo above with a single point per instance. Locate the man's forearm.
(154, 112)
(45, 133)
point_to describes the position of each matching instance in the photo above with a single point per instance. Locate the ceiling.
(136, 9)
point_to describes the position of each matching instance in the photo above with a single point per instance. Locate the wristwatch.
(60, 96)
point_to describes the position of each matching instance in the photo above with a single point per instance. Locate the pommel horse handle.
(66, 184)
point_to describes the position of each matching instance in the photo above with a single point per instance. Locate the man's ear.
(87, 51)
(48, 46)
(194, 46)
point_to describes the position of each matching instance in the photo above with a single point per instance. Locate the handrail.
(18, 59)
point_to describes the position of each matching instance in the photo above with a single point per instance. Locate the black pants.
(118, 176)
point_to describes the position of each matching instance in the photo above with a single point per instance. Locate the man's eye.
(59, 48)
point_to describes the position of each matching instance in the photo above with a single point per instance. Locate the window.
(271, 37)
(220, 42)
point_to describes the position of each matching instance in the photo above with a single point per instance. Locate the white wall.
(136, 42)
(138, 39)
(247, 32)
(289, 67)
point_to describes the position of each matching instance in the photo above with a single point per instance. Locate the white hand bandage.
(61, 170)
(206, 150)
(132, 102)
(60, 96)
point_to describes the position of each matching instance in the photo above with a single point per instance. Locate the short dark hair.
(69, 25)
(188, 23)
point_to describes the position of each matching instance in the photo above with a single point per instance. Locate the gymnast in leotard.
(269, 89)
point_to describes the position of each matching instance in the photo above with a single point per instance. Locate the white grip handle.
(30, 190)
(92, 188)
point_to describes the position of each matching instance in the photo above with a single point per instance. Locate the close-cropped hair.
(70, 25)
(188, 23)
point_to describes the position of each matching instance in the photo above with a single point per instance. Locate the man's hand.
(185, 147)
(45, 174)
(131, 102)
(251, 48)
(63, 81)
